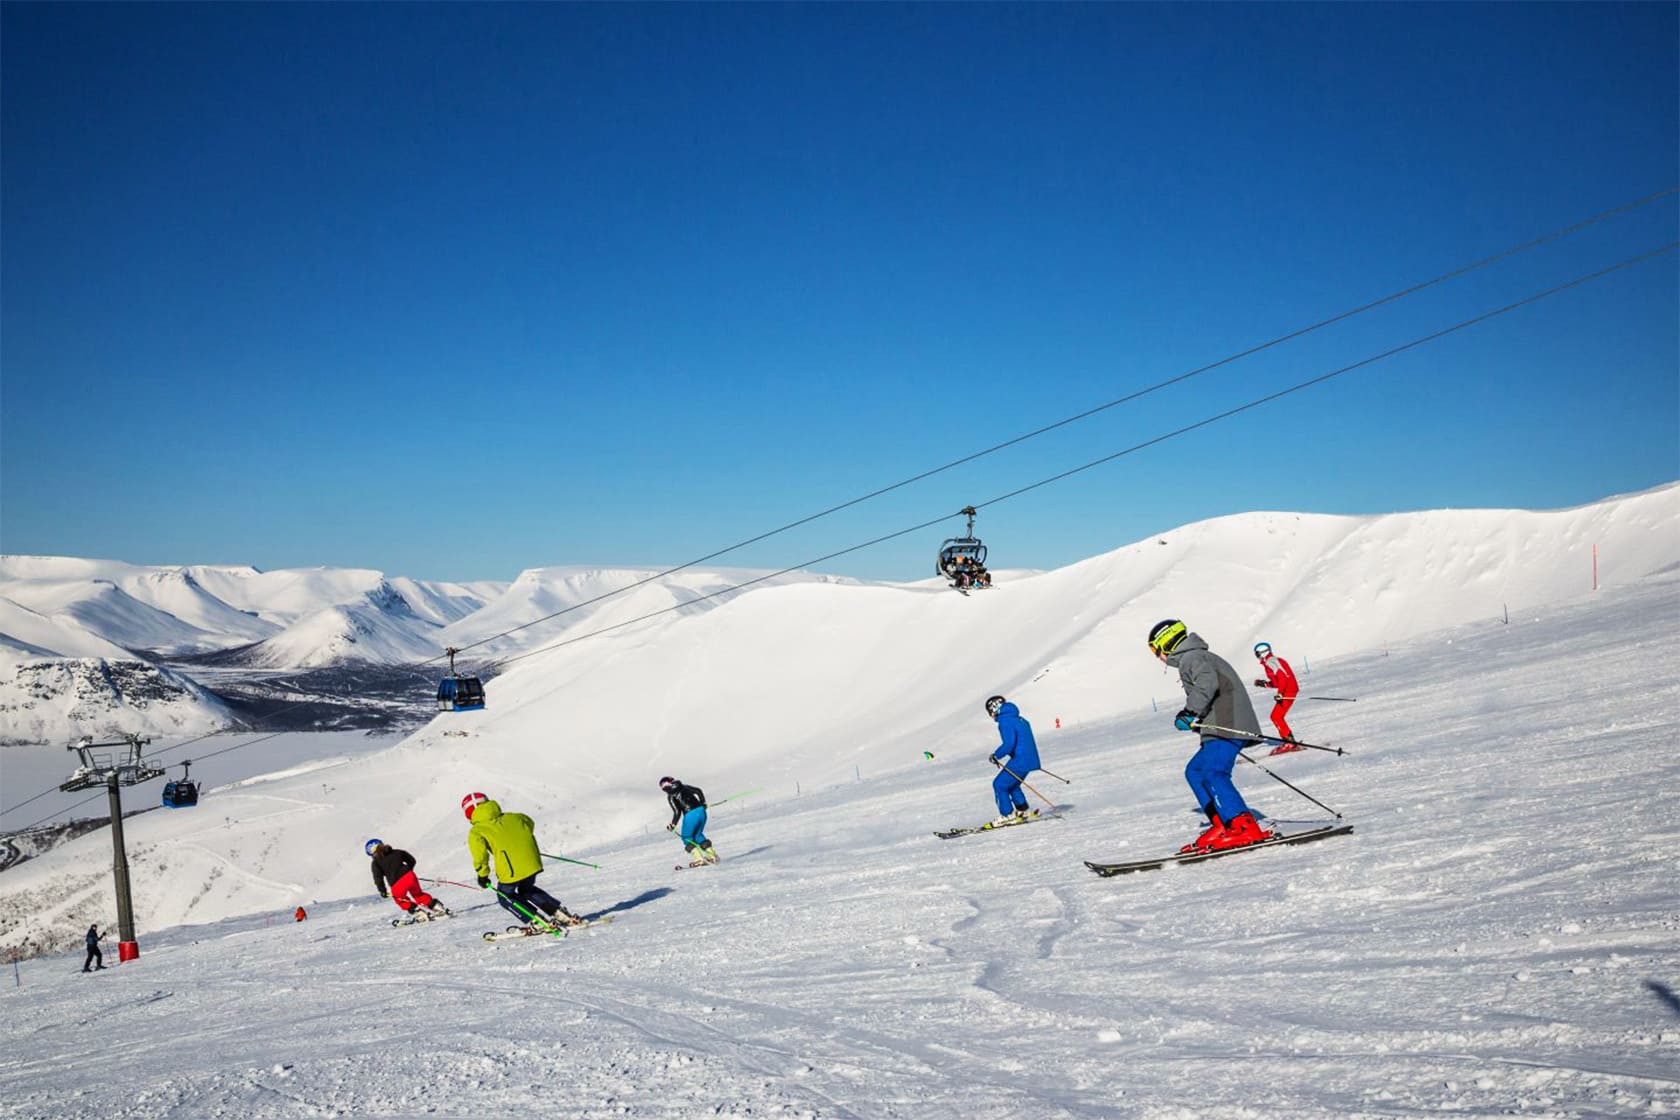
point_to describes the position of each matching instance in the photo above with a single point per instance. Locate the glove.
(484, 882)
(993, 759)
(384, 894)
(1261, 684)
(1186, 720)
(672, 827)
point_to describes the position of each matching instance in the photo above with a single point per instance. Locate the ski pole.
(1338, 699)
(1297, 789)
(1058, 777)
(1023, 781)
(567, 859)
(511, 901)
(733, 796)
(1265, 738)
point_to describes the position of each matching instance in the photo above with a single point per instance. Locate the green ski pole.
(568, 859)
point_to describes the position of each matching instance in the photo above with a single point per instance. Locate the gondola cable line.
(1227, 414)
(1299, 332)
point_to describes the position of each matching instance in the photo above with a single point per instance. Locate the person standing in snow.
(1281, 677)
(1015, 756)
(395, 867)
(1213, 696)
(509, 842)
(688, 809)
(94, 956)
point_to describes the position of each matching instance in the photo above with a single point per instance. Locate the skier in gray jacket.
(1216, 704)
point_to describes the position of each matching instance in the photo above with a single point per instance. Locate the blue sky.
(452, 291)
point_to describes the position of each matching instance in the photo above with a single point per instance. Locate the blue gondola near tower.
(181, 793)
(457, 693)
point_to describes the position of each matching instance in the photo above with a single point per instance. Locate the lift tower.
(114, 765)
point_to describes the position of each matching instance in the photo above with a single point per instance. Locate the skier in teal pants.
(688, 809)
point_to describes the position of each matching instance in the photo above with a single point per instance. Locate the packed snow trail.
(1501, 934)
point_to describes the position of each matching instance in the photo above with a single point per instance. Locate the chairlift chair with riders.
(968, 547)
(181, 793)
(457, 693)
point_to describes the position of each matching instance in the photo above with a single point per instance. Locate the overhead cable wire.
(1228, 413)
(1299, 332)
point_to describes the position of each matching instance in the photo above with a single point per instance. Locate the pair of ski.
(995, 826)
(514, 933)
(1277, 840)
(419, 917)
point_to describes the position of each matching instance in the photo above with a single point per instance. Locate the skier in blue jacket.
(1016, 756)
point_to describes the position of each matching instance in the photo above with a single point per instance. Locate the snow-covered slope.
(30, 633)
(379, 629)
(444, 603)
(100, 606)
(814, 682)
(1497, 937)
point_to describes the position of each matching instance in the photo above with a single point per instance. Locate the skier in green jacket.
(509, 841)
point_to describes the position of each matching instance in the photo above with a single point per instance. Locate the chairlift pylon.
(457, 693)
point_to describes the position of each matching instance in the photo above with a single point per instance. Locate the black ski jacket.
(389, 865)
(684, 798)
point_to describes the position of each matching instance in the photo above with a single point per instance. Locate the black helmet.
(994, 704)
(667, 783)
(1165, 635)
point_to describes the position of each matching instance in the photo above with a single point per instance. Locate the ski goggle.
(1262, 651)
(1169, 636)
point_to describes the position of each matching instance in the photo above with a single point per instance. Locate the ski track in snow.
(1500, 935)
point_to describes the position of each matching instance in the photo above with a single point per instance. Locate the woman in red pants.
(396, 867)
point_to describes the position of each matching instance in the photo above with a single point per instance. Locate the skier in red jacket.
(1281, 677)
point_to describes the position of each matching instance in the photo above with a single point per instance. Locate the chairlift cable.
(1462, 270)
(1270, 397)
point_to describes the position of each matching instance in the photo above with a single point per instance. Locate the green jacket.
(508, 837)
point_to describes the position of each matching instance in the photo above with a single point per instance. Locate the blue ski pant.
(694, 829)
(1007, 788)
(1209, 775)
(533, 898)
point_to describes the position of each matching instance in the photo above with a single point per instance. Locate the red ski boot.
(1242, 831)
(1205, 841)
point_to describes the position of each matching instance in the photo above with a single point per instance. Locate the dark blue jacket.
(94, 937)
(1018, 751)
